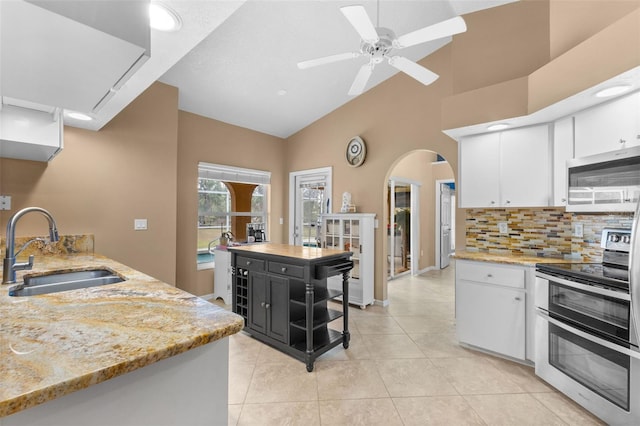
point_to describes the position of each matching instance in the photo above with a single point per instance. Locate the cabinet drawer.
(491, 274)
(249, 263)
(286, 269)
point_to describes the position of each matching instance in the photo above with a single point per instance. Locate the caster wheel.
(309, 368)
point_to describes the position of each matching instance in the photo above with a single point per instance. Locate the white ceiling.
(234, 74)
(232, 57)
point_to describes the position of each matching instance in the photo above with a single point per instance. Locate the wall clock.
(356, 151)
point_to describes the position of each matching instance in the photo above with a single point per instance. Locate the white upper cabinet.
(30, 134)
(506, 169)
(608, 127)
(562, 151)
(71, 54)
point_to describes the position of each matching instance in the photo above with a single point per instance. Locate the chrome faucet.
(9, 265)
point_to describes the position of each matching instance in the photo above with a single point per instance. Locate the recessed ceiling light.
(78, 116)
(281, 92)
(498, 126)
(163, 18)
(613, 91)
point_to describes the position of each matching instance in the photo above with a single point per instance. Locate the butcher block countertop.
(55, 344)
(510, 259)
(290, 251)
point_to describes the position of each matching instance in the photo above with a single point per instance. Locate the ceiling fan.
(378, 44)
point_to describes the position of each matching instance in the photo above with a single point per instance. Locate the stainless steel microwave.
(605, 182)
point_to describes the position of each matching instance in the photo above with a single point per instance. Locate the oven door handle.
(586, 287)
(590, 337)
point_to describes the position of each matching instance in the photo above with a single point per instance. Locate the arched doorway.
(418, 170)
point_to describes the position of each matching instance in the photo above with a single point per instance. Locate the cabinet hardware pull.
(517, 298)
(262, 304)
(284, 269)
(248, 262)
(267, 306)
(489, 276)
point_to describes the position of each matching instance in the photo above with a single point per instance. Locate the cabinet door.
(479, 170)
(525, 177)
(604, 127)
(257, 302)
(277, 308)
(562, 151)
(491, 317)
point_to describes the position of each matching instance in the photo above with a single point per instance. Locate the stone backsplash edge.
(540, 232)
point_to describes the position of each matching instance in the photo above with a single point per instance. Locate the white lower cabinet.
(492, 308)
(222, 276)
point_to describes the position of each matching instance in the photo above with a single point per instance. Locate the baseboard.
(382, 303)
(427, 269)
(207, 297)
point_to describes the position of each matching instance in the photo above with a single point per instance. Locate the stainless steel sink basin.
(63, 281)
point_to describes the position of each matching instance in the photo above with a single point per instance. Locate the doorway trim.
(327, 172)
(414, 246)
(437, 221)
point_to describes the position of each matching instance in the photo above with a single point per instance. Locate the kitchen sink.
(63, 281)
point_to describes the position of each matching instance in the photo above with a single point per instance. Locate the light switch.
(578, 230)
(5, 202)
(140, 224)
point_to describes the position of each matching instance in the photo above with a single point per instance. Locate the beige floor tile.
(441, 345)
(425, 324)
(357, 350)
(436, 410)
(234, 414)
(569, 411)
(269, 355)
(278, 414)
(444, 310)
(364, 412)
(244, 348)
(413, 377)
(349, 380)
(278, 382)
(240, 374)
(377, 325)
(388, 346)
(523, 375)
(472, 376)
(512, 409)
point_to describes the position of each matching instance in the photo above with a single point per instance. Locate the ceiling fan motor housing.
(379, 50)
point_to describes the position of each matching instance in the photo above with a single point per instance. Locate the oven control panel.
(616, 239)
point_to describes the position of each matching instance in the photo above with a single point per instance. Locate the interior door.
(310, 195)
(445, 224)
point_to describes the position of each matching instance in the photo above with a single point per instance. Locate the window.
(230, 200)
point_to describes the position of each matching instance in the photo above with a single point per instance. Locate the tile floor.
(403, 367)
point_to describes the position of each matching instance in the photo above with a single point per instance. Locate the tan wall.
(573, 21)
(396, 117)
(211, 141)
(102, 181)
(501, 44)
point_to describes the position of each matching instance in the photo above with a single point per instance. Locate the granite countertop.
(286, 250)
(55, 344)
(510, 259)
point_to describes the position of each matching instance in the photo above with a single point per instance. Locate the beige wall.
(102, 181)
(211, 141)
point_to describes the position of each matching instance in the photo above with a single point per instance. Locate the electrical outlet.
(5, 202)
(578, 229)
(140, 224)
(503, 228)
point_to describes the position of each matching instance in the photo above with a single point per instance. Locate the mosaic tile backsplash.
(542, 232)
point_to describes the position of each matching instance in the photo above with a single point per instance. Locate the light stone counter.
(511, 259)
(55, 344)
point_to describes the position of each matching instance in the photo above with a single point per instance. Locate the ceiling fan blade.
(361, 79)
(433, 32)
(416, 71)
(327, 60)
(358, 17)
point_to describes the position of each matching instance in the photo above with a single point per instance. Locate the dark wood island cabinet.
(281, 292)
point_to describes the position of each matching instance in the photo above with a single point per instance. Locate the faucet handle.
(24, 266)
